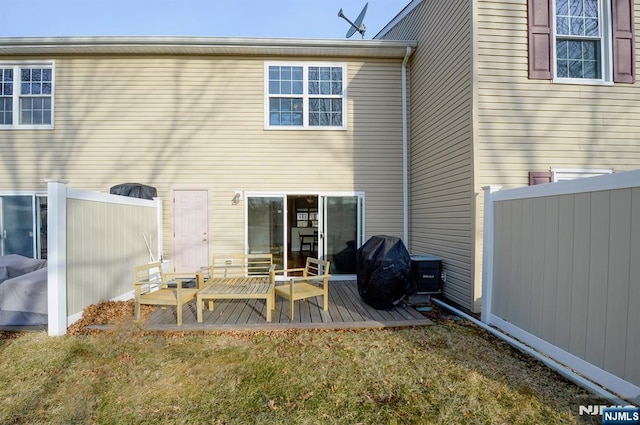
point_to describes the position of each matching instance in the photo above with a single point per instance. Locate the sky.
(217, 18)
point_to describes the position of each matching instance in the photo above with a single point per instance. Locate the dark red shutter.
(540, 34)
(540, 177)
(624, 69)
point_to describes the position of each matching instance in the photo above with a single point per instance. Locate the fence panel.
(96, 242)
(564, 274)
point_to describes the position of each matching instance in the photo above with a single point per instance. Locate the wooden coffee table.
(227, 288)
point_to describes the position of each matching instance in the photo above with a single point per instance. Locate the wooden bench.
(240, 265)
(154, 287)
(249, 276)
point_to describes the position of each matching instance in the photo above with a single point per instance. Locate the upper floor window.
(581, 45)
(26, 95)
(305, 95)
(582, 41)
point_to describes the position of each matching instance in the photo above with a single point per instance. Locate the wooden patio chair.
(313, 282)
(154, 287)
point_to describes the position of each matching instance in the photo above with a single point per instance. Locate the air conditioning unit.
(426, 272)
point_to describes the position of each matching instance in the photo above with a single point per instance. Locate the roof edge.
(211, 45)
(404, 12)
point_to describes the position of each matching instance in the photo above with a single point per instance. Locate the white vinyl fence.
(94, 241)
(561, 273)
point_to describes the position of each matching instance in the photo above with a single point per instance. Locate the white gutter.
(139, 45)
(558, 367)
(405, 153)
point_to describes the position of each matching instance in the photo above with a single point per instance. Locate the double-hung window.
(305, 95)
(582, 41)
(26, 95)
(582, 45)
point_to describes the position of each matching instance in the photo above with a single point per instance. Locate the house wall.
(196, 122)
(534, 125)
(477, 120)
(527, 125)
(442, 198)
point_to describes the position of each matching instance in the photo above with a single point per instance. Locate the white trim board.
(622, 180)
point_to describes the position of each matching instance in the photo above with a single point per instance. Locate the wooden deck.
(346, 311)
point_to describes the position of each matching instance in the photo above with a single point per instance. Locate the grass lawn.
(448, 373)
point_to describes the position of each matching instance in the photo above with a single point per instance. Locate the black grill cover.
(134, 190)
(384, 272)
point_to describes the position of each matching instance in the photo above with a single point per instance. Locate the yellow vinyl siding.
(527, 125)
(477, 120)
(441, 146)
(197, 122)
(534, 125)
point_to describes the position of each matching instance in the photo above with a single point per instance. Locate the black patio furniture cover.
(384, 272)
(134, 190)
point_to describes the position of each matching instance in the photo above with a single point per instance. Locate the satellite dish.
(357, 25)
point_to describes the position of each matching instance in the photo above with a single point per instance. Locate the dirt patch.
(9, 335)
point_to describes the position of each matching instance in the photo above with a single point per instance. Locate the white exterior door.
(190, 230)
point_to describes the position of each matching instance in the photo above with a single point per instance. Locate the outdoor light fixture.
(237, 196)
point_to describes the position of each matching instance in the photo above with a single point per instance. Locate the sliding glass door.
(342, 231)
(23, 220)
(276, 221)
(265, 226)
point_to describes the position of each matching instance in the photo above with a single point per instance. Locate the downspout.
(405, 152)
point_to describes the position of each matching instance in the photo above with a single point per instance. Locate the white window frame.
(561, 174)
(305, 95)
(284, 195)
(606, 43)
(36, 219)
(17, 67)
